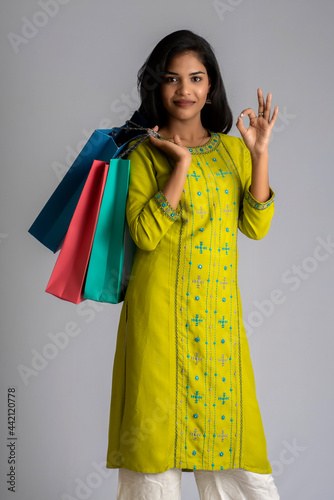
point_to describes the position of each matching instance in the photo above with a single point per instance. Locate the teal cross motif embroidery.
(201, 247)
(197, 320)
(226, 248)
(197, 397)
(223, 399)
(196, 358)
(222, 435)
(227, 210)
(220, 172)
(198, 281)
(223, 321)
(223, 360)
(195, 175)
(202, 212)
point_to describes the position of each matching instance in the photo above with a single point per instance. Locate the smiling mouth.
(184, 103)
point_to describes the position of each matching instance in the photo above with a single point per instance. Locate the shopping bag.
(51, 224)
(67, 278)
(53, 221)
(112, 252)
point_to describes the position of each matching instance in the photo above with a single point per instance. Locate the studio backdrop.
(69, 67)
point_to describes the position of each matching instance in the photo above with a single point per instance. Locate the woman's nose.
(183, 88)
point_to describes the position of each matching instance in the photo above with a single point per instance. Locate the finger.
(151, 133)
(177, 140)
(159, 143)
(164, 145)
(248, 112)
(267, 108)
(154, 131)
(240, 125)
(153, 136)
(261, 101)
(274, 117)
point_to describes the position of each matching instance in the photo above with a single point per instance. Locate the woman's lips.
(184, 104)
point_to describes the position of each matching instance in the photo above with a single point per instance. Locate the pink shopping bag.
(68, 275)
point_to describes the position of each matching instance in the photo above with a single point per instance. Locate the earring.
(208, 100)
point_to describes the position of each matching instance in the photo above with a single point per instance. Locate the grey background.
(77, 72)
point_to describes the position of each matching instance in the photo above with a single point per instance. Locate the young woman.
(183, 394)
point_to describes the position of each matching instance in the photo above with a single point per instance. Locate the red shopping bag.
(68, 275)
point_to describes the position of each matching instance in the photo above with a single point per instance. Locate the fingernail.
(241, 114)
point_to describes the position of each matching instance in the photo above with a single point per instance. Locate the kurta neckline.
(208, 147)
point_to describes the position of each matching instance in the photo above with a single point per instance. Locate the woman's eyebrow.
(190, 74)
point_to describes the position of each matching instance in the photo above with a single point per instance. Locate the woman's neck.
(190, 134)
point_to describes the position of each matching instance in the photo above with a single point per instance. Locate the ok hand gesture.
(257, 136)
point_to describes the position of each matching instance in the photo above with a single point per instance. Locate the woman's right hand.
(173, 148)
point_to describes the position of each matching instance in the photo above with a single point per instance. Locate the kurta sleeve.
(149, 215)
(254, 216)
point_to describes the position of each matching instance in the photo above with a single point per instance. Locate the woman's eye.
(174, 79)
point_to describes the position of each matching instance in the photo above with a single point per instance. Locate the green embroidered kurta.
(183, 391)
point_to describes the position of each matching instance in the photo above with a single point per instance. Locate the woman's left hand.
(257, 136)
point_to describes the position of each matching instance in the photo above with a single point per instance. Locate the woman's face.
(184, 87)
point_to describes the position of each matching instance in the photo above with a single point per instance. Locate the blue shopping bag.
(54, 219)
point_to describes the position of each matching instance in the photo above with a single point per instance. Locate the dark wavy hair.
(216, 116)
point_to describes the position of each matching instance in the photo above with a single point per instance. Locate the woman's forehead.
(186, 62)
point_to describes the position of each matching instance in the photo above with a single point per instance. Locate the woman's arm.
(254, 216)
(175, 184)
(260, 179)
(149, 211)
(182, 158)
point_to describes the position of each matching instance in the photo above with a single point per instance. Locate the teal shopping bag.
(112, 252)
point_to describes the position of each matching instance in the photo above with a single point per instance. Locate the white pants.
(230, 484)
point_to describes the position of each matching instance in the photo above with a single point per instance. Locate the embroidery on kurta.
(167, 209)
(214, 421)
